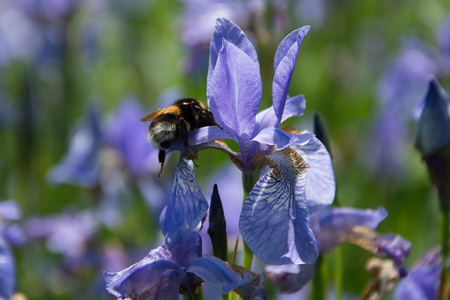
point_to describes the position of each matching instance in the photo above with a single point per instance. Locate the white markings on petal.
(274, 223)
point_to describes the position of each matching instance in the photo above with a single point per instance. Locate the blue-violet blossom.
(276, 211)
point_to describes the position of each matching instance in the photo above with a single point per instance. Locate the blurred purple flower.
(9, 210)
(444, 43)
(7, 271)
(49, 10)
(19, 37)
(422, 282)
(80, 165)
(67, 233)
(332, 225)
(197, 21)
(400, 90)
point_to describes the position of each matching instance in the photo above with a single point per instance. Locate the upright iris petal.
(275, 221)
(284, 63)
(235, 77)
(186, 206)
(227, 30)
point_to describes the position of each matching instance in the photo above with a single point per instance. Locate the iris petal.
(267, 118)
(234, 93)
(424, 279)
(331, 225)
(274, 221)
(284, 64)
(227, 30)
(320, 181)
(186, 206)
(140, 278)
(280, 138)
(216, 272)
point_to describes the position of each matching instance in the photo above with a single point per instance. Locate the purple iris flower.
(177, 266)
(67, 233)
(335, 226)
(424, 279)
(276, 209)
(80, 165)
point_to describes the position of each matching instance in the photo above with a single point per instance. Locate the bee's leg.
(162, 159)
(184, 134)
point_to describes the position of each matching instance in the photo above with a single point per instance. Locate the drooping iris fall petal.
(275, 221)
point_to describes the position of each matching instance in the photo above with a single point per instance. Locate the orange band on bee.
(170, 110)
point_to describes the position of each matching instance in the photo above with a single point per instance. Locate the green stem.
(339, 263)
(443, 289)
(339, 278)
(248, 257)
(319, 288)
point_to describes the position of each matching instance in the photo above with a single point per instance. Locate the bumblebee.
(177, 121)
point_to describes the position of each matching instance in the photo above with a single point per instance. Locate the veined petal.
(284, 64)
(216, 272)
(188, 248)
(272, 215)
(141, 278)
(280, 138)
(234, 92)
(168, 285)
(186, 206)
(320, 181)
(294, 107)
(227, 30)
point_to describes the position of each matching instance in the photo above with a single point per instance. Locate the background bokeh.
(70, 65)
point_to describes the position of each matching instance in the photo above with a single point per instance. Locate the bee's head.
(207, 119)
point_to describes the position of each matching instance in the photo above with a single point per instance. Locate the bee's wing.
(153, 115)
